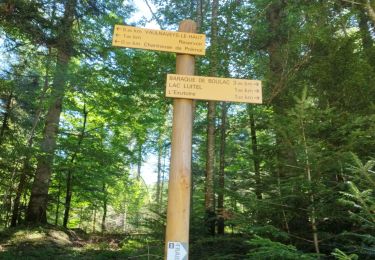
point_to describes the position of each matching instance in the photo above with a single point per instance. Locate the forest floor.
(51, 242)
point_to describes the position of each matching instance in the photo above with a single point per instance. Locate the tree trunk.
(68, 198)
(209, 185)
(162, 175)
(139, 163)
(69, 181)
(58, 204)
(4, 125)
(220, 198)
(26, 169)
(104, 208)
(370, 10)
(254, 148)
(158, 183)
(21, 186)
(199, 13)
(125, 220)
(37, 208)
(367, 41)
(94, 222)
(314, 226)
(278, 39)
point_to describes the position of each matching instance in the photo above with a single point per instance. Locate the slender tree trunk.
(26, 169)
(158, 184)
(162, 175)
(68, 198)
(220, 198)
(80, 218)
(4, 124)
(139, 163)
(314, 226)
(104, 208)
(367, 41)
(125, 219)
(39, 193)
(209, 187)
(254, 148)
(94, 222)
(199, 11)
(69, 181)
(19, 191)
(58, 204)
(7, 202)
(370, 10)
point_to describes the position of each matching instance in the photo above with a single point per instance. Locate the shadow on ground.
(56, 243)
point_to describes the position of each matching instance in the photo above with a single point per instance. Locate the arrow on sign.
(183, 251)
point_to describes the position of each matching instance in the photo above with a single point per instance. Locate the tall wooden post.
(178, 213)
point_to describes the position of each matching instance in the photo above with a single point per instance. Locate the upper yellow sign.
(169, 41)
(211, 88)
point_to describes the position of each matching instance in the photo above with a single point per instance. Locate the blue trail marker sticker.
(177, 251)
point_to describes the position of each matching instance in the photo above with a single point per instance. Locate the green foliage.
(221, 247)
(142, 246)
(359, 200)
(338, 254)
(264, 248)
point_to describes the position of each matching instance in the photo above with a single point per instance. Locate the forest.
(85, 131)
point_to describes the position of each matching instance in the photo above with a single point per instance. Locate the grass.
(55, 243)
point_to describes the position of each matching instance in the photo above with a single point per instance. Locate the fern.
(267, 249)
(340, 255)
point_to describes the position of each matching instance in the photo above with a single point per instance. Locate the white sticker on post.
(177, 251)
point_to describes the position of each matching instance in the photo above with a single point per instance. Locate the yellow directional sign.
(159, 40)
(212, 88)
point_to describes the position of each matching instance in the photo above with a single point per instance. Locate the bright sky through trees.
(149, 167)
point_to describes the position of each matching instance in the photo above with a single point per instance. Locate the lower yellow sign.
(212, 88)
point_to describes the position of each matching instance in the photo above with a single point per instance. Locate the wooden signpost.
(184, 88)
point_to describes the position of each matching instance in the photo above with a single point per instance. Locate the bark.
(162, 176)
(68, 198)
(314, 226)
(37, 207)
(125, 220)
(367, 41)
(69, 180)
(58, 205)
(256, 159)
(370, 10)
(4, 125)
(26, 169)
(209, 185)
(94, 222)
(7, 197)
(19, 191)
(199, 14)
(221, 183)
(139, 163)
(158, 184)
(104, 208)
(278, 40)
